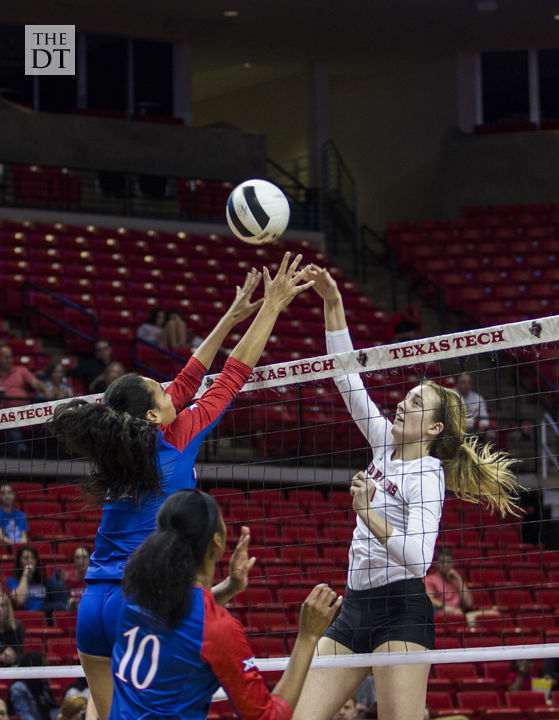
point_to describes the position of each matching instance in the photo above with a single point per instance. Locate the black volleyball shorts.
(400, 610)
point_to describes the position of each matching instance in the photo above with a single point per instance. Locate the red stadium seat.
(439, 703)
(544, 713)
(525, 699)
(455, 671)
(478, 699)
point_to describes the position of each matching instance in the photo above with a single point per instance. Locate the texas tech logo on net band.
(50, 49)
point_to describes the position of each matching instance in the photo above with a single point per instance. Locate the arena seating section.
(120, 275)
(495, 264)
(300, 537)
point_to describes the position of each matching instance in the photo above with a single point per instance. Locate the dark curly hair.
(115, 437)
(160, 573)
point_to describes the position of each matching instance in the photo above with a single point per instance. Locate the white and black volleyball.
(257, 212)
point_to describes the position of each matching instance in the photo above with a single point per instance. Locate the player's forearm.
(224, 592)
(291, 683)
(334, 314)
(209, 348)
(249, 348)
(379, 526)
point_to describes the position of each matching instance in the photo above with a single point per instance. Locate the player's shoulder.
(222, 632)
(217, 617)
(424, 473)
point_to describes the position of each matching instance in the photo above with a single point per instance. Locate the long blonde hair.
(10, 619)
(474, 471)
(72, 705)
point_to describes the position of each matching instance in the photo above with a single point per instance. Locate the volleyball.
(257, 212)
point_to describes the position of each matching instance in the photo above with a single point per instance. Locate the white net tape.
(384, 357)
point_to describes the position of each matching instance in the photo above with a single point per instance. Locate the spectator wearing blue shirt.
(31, 698)
(13, 523)
(29, 588)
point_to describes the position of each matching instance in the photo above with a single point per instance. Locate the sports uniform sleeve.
(227, 651)
(184, 386)
(368, 418)
(201, 416)
(414, 548)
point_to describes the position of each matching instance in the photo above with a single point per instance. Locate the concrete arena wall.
(120, 145)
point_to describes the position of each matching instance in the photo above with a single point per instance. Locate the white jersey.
(409, 495)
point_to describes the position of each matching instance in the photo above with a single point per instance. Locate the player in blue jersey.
(142, 446)
(175, 646)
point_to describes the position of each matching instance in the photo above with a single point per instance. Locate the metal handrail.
(26, 308)
(547, 454)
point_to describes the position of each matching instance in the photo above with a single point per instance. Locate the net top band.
(427, 350)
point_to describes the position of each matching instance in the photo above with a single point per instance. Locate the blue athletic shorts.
(98, 613)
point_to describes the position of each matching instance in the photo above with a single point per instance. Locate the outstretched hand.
(240, 564)
(324, 283)
(318, 611)
(242, 307)
(281, 290)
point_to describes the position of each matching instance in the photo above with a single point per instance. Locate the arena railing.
(133, 194)
(28, 308)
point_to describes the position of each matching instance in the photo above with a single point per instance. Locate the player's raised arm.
(278, 293)
(368, 418)
(184, 386)
(240, 309)
(191, 424)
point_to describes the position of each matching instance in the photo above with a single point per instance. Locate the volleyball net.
(281, 461)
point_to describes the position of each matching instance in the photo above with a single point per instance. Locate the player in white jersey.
(398, 502)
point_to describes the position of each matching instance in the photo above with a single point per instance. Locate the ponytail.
(161, 572)
(115, 437)
(473, 471)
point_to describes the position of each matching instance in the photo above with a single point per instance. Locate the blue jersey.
(172, 673)
(13, 524)
(125, 524)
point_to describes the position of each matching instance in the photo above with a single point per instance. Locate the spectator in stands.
(478, 417)
(88, 369)
(11, 634)
(153, 328)
(520, 678)
(168, 330)
(78, 687)
(3, 711)
(28, 585)
(16, 381)
(348, 711)
(112, 372)
(32, 699)
(551, 671)
(55, 382)
(19, 384)
(446, 587)
(75, 582)
(13, 523)
(408, 325)
(72, 708)
(178, 334)
(366, 696)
